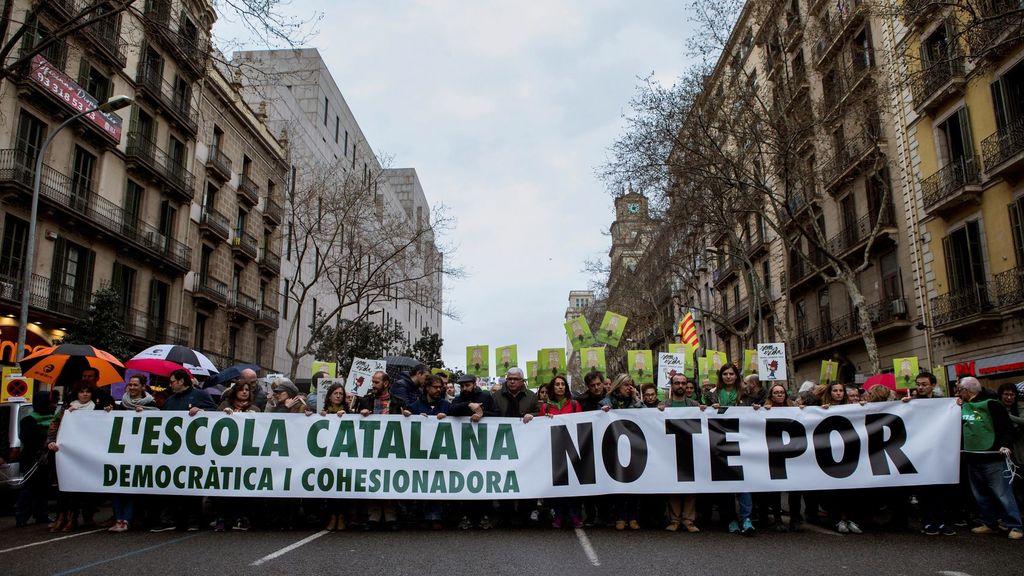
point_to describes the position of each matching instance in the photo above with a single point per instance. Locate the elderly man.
(514, 400)
(987, 437)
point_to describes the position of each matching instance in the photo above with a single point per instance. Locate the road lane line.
(51, 540)
(289, 548)
(952, 573)
(812, 528)
(587, 548)
(123, 556)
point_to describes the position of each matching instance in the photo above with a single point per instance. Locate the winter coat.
(395, 405)
(460, 404)
(32, 431)
(298, 406)
(406, 389)
(759, 398)
(568, 406)
(590, 402)
(616, 402)
(189, 398)
(227, 404)
(515, 405)
(430, 407)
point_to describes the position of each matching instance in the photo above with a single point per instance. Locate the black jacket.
(460, 404)
(187, 399)
(515, 406)
(406, 389)
(395, 406)
(589, 402)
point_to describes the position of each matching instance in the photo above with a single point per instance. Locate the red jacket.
(569, 407)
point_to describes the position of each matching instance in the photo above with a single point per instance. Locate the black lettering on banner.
(846, 464)
(879, 447)
(722, 449)
(683, 429)
(562, 448)
(637, 450)
(780, 450)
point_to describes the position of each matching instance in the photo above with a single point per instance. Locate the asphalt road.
(33, 551)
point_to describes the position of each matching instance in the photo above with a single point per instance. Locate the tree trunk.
(867, 331)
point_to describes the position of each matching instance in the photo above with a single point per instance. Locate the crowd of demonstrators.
(993, 443)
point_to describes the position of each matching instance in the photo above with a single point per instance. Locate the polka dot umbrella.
(69, 360)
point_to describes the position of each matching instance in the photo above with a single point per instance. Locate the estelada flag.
(688, 331)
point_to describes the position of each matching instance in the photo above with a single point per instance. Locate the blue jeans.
(746, 505)
(993, 493)
(124, 507)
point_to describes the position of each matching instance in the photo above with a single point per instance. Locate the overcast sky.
(505, 109)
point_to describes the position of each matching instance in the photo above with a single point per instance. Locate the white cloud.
(505, 108)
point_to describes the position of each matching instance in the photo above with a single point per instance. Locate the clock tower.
(631, 231)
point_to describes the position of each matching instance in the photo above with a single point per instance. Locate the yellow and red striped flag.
(688, 331)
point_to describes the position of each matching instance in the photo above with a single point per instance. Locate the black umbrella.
(399, 364)
(227, 375)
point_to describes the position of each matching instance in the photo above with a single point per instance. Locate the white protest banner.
(360, 373)
(678, 450)
(668, 366)
(771, 361)
(322, 387)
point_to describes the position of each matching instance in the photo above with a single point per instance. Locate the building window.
(1017, 228)
(346, 144)
(284, 307)
(965, 266)
(954, 139)
(31, 132)
(233, 343)
(123, 282)
(94, 82)
(327, 105)
(891, 285)
(200, 339)
(337, 128)
(12, 250)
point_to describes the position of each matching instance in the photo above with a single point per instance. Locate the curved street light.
(112, 104)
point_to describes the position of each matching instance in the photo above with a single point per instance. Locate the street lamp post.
(114, 103)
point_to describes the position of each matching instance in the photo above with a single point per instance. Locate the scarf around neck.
(147, 402)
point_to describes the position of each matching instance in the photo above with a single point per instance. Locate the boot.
(59, 522)
(71, 524)
(341, 522)
(332, 523)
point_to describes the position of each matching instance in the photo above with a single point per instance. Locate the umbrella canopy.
(399, 364)
(228, 374)
(166, 358)
(68, 361)
(887, 380)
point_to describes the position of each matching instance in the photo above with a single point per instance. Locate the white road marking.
(289, 548)
(587, 548)
(952, 573)
(51, 540)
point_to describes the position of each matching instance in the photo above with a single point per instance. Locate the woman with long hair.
(240, 397)
(70, 503)
(625, 507)
(728, 393)
(136, 398)
(834, 394)
(560, 401)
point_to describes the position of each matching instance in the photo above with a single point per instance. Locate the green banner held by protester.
(905, 370)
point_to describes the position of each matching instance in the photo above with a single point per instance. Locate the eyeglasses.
(514, 378)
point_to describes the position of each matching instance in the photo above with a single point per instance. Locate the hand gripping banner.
(642, 451)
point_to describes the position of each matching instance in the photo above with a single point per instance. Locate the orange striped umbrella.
(49, 364)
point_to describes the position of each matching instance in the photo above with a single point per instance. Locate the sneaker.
(842, 527)
(930, 530)
(748, 527)
(691, 527)
(119, 526)
(947, 530)
(557, 523)
(577, 522)
(465, 524)
(192, 528)
(620, 525)
(634, 525)
(853, 527)
(218, 526)
(241, 525)
(734, 527)
(163, 528)
(983, 530)
(1015, 534)
(485, 523)
(672, 527)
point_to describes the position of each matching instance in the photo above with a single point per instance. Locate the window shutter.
(977, 264)
(951, 264)
(1017, 227)
(999, 103)
(965, 132)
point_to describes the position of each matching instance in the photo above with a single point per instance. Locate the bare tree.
(352, 255)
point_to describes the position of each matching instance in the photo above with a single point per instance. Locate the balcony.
(190, 49)
(245, 245)
(46, 295)
(242, 306)
(1004, 150)
(214, 223)
(856, 154)
(248, 191)
(78, 205)
(919, 12)
(270, 263)
(104, 34)
(847, 82)
(218, 163)
(854, 237)
(1010, 288)
(954, 185)
(210, 291)
(178, 108)
(936, 83)
(996, 30)
(151, 329)
(267, 318)
(725, 271)
(964, 308)
(806, 272)
(836, 24)
(273, 212)
(887, 314)
(793, 33)
(143, 154)
(756, 245)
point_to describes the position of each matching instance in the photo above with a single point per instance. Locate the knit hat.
(286, 385)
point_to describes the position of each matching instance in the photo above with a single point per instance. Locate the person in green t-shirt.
(986, 440)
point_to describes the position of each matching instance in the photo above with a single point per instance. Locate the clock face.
(633, 207)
